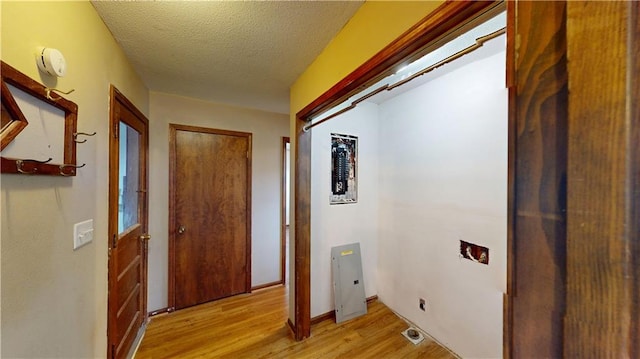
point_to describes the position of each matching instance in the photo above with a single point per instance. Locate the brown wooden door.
(127, 224)
(211, 211)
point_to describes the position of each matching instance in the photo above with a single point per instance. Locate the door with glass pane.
(128, 233)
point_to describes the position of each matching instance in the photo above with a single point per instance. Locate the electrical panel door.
(348, 283)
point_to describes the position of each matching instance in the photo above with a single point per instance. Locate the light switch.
(82, 233)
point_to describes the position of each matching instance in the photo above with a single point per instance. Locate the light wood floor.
(254, 326)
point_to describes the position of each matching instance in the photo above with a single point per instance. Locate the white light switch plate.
(82, 233)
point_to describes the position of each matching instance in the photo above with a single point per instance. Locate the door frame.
(114, 122)
(283, 211)
(171, 298)
(435, 28)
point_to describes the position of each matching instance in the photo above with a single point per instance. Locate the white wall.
(334, 225)
(443, 178)
(268, 130)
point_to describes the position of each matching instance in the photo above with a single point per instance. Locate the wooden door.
(602, 318)
(128, 236)
(210, 206)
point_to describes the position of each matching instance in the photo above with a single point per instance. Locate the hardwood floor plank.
(254, 326)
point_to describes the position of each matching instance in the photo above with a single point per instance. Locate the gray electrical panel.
(348, 283)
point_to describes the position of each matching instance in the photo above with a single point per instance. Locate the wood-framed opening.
(433, 31)
(284, 203)
(572, 239)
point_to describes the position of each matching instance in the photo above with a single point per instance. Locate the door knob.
(145, 237)
(181, 229)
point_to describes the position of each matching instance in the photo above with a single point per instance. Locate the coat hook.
(49, 90)
(19, 164)
(75, 136)
(73, 169)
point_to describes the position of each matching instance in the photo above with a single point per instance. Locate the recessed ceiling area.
(240, 53)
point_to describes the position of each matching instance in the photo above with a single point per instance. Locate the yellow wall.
(374, 26)
(54, 299)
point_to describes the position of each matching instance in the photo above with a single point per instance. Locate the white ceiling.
(243, 53)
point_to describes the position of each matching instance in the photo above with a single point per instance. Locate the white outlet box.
(82, 233)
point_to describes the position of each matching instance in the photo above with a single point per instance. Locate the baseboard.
(267, 285)
(332, 314)
(322, 317)
(293, 329)
(161, 311)
(137, 341)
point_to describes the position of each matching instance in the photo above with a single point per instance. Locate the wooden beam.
(302, 246)
(603, 180)
(507, 311)
(446, 18)
(536, 265)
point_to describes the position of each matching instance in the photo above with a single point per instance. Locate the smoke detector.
(51, 61)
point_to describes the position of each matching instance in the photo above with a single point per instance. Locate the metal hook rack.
(20, 159)
(48, 91)
(19, 164)
(76, 134)
(73, 169)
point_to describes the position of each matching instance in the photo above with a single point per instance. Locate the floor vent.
(413, 335)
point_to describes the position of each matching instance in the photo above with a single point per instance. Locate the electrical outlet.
(474, 252)
(423, 305)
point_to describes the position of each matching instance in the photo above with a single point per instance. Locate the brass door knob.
(145, 237)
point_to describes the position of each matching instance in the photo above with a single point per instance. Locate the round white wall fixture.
(51, 61)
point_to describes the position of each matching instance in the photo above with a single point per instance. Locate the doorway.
(432, 32)
(285, 212)
(128, 225)
(210, 214)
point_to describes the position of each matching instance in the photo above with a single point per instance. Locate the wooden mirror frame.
(10, 75)
(11, 113)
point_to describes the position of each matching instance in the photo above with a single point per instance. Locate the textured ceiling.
(241, 53)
